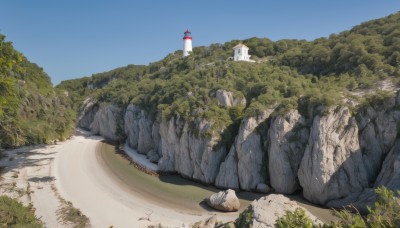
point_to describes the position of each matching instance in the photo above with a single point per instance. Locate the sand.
(82, 179)
(28, 175)
(47, 176)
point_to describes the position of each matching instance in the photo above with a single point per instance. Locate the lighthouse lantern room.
(187, 43)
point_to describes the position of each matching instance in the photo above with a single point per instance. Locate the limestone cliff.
(335, 157)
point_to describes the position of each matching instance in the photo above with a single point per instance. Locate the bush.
(14, 214)
(295, 219)
(245, 219)
(386, 213)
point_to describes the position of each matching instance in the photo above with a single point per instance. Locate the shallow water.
(170, 190)
(182, 194)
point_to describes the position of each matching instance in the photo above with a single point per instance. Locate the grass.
(14, 214)
(68, 215)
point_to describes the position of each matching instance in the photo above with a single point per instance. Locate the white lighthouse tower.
(187, 43)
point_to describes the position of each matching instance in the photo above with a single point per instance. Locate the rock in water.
(224, 201)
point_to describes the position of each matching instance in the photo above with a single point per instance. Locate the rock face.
(336, 158)
(379, 129)
(224, 201)
(227, 99)
(288, 136)
(87, 112)
(228, 173)
(250, 153)
(332, 166)
(268, 209)
(191, 156)
(390, 172)
(107, 122)
(138, 129)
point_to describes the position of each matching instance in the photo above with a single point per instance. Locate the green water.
(171, 190)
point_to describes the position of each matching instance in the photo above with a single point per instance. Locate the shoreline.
(82, 179)
(75, 172)
(324, 214)
(163, 190)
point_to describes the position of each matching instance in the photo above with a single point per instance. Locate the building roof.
(240, 45)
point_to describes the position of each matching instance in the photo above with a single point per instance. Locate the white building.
(241, 53)
(187, 43)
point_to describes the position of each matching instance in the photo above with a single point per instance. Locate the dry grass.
(68, 215)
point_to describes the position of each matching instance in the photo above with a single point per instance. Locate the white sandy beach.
(82, 180)
(71, 171)
(48, 176)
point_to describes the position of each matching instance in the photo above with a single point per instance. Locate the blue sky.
(77, 38)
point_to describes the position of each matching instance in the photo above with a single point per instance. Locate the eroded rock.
(249, 150)
(288, 136)
(332, 166)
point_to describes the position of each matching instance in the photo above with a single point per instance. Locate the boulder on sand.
(224, 201)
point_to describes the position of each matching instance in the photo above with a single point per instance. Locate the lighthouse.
(187, 43)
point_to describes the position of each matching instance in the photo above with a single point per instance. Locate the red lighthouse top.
(187, 35)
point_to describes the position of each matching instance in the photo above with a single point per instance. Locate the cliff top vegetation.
(289, 74)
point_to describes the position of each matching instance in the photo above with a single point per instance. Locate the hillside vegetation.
(31, 110)
(289, 74)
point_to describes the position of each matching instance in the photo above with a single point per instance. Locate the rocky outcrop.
(87, 112)
(332, 166)
(250, 153)
(268, 209)
(288, 136)
(108, 123)
(227, 99)
(224, 201)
